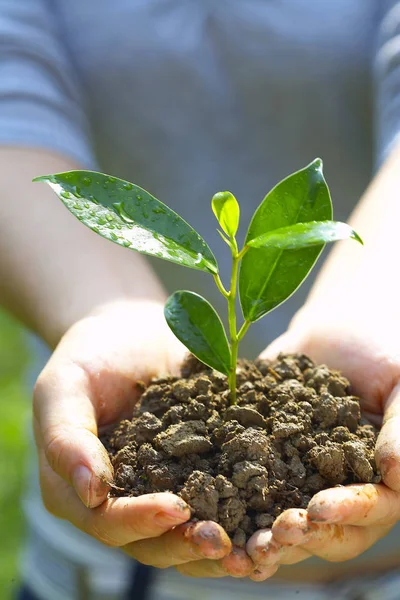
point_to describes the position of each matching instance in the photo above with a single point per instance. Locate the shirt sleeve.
(41, 102)
(387, 79)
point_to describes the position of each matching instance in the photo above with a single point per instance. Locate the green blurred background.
(14, 421)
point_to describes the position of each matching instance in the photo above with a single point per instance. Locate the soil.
(295, 430)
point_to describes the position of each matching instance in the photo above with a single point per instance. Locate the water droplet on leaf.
(159, 210)
(119, 207)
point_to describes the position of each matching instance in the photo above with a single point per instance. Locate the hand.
(88, 384)
(343, 522)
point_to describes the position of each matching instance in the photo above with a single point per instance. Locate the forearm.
(369, 272)
(53, 270)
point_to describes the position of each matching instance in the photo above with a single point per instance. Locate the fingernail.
(318, 519)
(319, 514)
(82, 479)
(171, 518)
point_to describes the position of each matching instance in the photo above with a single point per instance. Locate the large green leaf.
(197, 325)
(227, 211)
(304, 235)
(129, 216)
(268, 276)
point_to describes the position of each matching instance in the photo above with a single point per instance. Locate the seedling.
(286, 235)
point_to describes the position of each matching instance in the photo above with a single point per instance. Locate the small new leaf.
(226, 240)
(197, 325)
(304, 235)
(227, 211)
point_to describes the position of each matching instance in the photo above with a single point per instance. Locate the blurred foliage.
(14, 419)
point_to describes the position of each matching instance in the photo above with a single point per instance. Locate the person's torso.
(188, 97)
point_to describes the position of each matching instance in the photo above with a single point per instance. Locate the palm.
(114, 353)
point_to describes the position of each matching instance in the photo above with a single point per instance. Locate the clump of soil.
(295, 430)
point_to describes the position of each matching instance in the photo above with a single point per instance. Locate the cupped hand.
(342, 522)
(88, 384)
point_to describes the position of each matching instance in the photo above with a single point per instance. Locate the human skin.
(100, 307)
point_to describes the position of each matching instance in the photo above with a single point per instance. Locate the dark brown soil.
(295, 430)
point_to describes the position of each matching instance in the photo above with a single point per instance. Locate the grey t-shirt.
(188, 97)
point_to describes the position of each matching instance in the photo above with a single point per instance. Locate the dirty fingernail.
(318, 515)
(263, 573)
(321, 511)
(81, 480)
(319, 519)
(172, 517)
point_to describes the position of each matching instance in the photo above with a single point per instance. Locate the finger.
(360, 504)
(118, 521)
(211, 569)
(263, 548)
(291, 527)
(66, 429)
(235, 564)
(284, 343)
(338, 543)
(387, 451)
(334, 543)
(263, 573)
(265, 551)
(189, 542)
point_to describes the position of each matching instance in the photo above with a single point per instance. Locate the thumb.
(66, 430)
(387, 451)
(284, 343)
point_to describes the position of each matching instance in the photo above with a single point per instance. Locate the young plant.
(286, 235)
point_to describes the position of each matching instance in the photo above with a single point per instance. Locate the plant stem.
(220, 285)
(243, 330)
(243, 252)
(232, 322)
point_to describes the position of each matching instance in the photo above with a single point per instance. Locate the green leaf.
(226, 240)
(304, 235)
(129, 216)
(197, 325)
(227, 211)
(268, 276)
